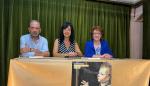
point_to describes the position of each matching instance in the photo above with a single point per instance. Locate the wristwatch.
(31, 49)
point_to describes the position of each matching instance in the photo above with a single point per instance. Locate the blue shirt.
(26, 41)
(89, 49)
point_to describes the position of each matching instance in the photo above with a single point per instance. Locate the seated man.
(33, 44)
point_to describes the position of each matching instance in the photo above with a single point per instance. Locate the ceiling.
(127, 1)
(130, 2)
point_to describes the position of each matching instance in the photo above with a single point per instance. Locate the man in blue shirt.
(33, 44)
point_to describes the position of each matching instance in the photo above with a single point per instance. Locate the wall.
(136, 32)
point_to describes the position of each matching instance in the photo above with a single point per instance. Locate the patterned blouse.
(63, 49)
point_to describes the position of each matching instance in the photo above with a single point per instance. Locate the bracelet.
(30, 49)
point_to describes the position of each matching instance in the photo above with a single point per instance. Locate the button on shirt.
(26, 41)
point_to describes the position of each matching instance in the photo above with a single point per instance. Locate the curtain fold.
(146, 29)
(16, 14)
(3, 41)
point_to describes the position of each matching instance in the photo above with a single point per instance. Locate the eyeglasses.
(96, 33)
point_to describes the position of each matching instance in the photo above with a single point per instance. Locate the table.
(55, 71)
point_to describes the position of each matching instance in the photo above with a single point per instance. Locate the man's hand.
(84, 83)
(25, 49)
(40, 53)
(37, 52)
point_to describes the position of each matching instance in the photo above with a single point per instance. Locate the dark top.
(63, 49)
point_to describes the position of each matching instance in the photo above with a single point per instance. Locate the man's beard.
(35, 34)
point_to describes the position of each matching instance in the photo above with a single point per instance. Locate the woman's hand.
(106, 56)
(96, 56)
(72, 54)
(102, 56)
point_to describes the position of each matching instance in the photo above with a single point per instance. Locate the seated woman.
(65, 45)
(97, 47)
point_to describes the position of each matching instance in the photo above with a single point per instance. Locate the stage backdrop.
(16, 14)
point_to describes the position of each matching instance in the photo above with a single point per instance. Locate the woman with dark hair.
(97, 47)
(65, 45)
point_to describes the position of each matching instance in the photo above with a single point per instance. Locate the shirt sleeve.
(45, 46)
(22, 42)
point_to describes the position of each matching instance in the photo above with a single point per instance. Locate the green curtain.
(3, 42)
(16, 14)
(146, 29)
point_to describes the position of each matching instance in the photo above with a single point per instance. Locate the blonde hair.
(106, 66)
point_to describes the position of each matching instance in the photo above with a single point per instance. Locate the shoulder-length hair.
(61, 35)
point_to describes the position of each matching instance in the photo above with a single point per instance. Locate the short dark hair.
(61, 35)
